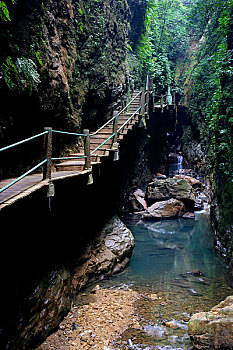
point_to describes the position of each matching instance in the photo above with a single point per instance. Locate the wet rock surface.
(180, 189)
(213, 329)
(108, 254)
(166, 209)
(171, 197)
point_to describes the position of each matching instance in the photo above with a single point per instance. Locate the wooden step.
(72, 165)
(94, 157)
(102, 152)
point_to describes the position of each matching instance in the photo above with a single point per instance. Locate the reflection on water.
(164, 261)
(173, 247)
(175, 261)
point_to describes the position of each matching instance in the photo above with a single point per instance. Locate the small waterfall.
(179, 162)
(180, 159)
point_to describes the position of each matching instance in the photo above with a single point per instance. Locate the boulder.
(108, 253)
(164, 210)
(213, 329)
(160, 176)
(137, 199)
(188, 172)
(160, 190)
(188, 215)
(191, 180)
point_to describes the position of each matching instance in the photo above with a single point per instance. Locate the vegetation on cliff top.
(189, 44)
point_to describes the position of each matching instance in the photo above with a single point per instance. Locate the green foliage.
(4, 13)
(165, 39)
(20, 74)
(28, 69)
(10, 72)
(210, 86)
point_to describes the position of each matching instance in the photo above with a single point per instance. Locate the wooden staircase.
(96, 139)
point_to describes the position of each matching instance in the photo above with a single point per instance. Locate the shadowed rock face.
(213, 329)
(77, 50)
(43, 310)
(160, 190)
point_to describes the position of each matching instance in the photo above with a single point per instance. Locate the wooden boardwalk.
(30, 184)
(101, 146)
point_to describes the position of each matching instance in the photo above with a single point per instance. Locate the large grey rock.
(118, 238)
(213, 329)
(160, 190)
(164, 210)
(108, 254)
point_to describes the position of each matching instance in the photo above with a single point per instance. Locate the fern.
(29, 69)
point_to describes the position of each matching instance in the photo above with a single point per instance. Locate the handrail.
(47, 162)
(103, 143)
(24, 175)
(23, 141)
(42, 162)
(130, 102)
(122, 126)
(68, 133)
(110, 120)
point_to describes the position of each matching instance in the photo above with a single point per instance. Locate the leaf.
(4, 13)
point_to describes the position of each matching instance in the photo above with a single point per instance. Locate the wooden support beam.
(162, 103)
(174, 100)
(115, 126)
(87, 149)
(48, 153)
(142, 103)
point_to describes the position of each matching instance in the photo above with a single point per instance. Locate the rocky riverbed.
(96, 319)
(166, 304)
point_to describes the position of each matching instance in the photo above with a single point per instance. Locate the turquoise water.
(177, 272)
(164, 262)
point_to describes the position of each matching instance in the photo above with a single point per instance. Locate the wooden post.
(147, 105)
(174, 99)
(142, 103)
(115, 124)
(87, 151)
(151, 84)
(147, 82)
(161, 103)
(48, 153)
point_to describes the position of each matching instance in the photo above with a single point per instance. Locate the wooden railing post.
(48, 153)
(142, 103)
(161, 103)
(174, 100)
(147, 104)
(115, 126)
(150, 84)
(142, 122)
(87, 151)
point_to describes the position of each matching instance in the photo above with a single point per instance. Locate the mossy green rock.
(213, 329)
(160, 190)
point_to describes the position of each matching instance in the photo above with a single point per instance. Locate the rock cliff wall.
(63, 64)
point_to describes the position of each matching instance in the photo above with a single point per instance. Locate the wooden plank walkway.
(30, 184)
(71, 168)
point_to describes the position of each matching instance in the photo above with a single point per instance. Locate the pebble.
(86, 335)
(154, 297)
(171, 324)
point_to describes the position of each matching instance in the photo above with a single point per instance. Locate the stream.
(176, 263)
